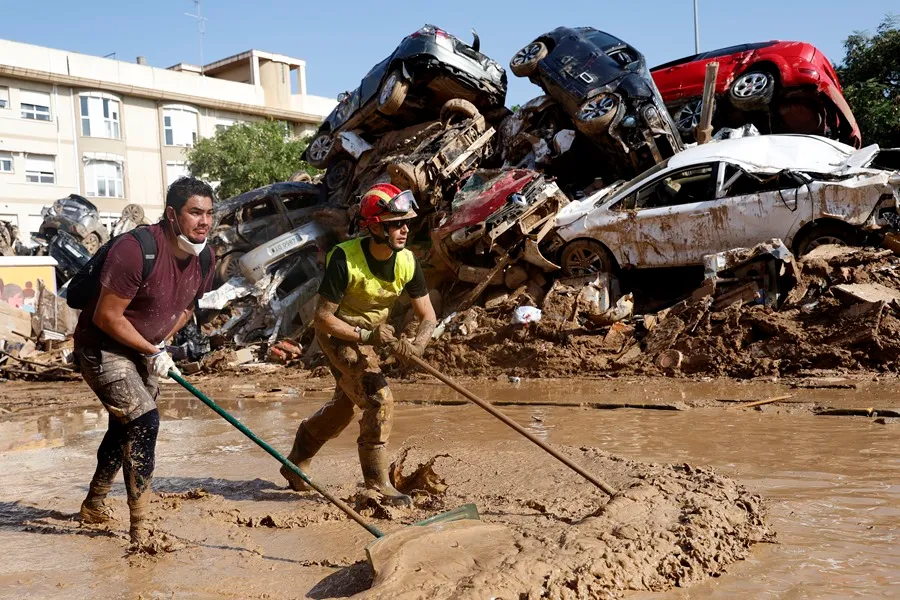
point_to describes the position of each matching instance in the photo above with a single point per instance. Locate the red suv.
(781, 87)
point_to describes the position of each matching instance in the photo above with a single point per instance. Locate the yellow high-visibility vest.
(368, 300)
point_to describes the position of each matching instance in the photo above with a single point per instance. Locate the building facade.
(117, 132)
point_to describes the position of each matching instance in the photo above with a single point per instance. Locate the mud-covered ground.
(714, 499)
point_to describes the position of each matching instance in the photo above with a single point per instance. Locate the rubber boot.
(374, 462)
(139, 509)
(301, 455)
(94, 509)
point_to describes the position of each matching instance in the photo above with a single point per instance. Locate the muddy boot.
(374, 461)
(94, 509)
(301, 455)
(139, 509)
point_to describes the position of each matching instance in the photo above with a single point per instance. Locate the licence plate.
(282, 246)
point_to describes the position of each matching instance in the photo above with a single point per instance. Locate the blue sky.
(341, 40)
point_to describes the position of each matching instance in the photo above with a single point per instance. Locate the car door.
(756, 208)
(371, 83)
(672, 218)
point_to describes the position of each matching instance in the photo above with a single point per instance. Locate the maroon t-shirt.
(156, 304)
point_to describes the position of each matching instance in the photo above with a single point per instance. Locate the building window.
(180, 125)
(40, 168)
(99, 116)
(174, 170)
(4, 97)
(6, 162)
(103, 178)
(35, 105)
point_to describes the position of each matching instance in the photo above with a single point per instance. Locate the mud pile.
(548, 534)
(843, 315)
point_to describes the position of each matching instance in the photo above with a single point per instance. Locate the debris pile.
(836, 309)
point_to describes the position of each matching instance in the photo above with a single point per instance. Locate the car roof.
(280, 188)
(724, 51)
(769, 153)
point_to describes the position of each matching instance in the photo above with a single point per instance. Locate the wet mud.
(713, 502)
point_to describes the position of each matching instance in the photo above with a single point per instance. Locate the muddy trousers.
(132, 448)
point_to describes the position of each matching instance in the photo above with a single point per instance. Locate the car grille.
(513, 209)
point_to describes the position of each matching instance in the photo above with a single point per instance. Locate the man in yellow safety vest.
(363, 279)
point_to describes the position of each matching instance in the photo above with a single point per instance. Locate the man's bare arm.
(427, 320)
(182, 321)
(327, 322)
(110, 318)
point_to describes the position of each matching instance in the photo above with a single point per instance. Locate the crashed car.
(604, 84)
(70, 255)
(251, 219)
(449, 149)
(78, 217)
(497, 222)
(427, 69)
(781, 87)
(734, 193)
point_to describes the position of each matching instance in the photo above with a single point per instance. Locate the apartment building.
(117, 132)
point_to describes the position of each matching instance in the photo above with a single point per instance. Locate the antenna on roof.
(201, 27)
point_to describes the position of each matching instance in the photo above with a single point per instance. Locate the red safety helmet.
(386, 202)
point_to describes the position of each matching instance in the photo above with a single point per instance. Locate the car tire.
(406, 177)
(826, 233)
(134, 213)
(392, 93)
(752, 91)
(594, 116)
(525, 62)
(319, 150)
(688, 117)
(339, 174)
(92, 243)
(458, 108)
(227, 267)
(583, 257)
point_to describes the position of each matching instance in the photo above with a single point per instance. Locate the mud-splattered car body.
(498, 215)
(78, 217)
(781, 87)
(735, 193)
(604, 84)
(428, 68)
(248, 220)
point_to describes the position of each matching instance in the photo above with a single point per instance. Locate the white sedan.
(735, 193)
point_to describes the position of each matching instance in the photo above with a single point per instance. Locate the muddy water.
(833, 484)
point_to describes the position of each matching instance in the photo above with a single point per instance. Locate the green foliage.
(247, 156)
(870, 76)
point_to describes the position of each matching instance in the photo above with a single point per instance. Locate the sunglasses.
(397, 224)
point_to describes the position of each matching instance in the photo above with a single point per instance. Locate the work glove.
(406, 349)
(381, 335)
(159, 364)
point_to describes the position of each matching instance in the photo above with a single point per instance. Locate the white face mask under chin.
(185, 244)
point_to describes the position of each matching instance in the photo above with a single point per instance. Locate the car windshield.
(477, 183)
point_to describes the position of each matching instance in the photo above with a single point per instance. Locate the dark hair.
(185, 187)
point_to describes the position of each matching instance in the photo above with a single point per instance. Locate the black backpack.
(85, 285)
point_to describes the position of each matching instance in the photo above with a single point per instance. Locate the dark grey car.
(410, 86)
(604, 84)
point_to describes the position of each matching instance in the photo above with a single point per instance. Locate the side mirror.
(343, 96)
(476, 42)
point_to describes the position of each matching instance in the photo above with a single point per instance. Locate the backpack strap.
(148, 249)
(205, 262)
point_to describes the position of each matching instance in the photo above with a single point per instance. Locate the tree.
(246, 156)
(870, 76)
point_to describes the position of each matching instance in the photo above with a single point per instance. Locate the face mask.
(185, 244)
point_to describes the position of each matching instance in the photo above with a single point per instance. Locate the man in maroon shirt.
(120, 343)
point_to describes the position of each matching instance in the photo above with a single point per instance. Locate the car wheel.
(339, 174)
(688, 117)
(92, 242)
(595, 115)
(457, 108)
(319, 150)
(392, 93)
(406, 177)
(824, 234)
(227, 267)
(583, 257)
(525, 61)
(134, 213)
(752, 91)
